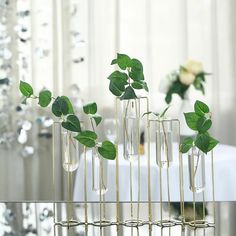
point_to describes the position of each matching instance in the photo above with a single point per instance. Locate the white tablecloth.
(225, 175)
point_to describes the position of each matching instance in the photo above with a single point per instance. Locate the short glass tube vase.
(70, 151)
(65, 163)
(164, 142)
(99, 173)
(131, 129)
(196, 164)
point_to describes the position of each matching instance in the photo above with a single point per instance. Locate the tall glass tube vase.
(131, 129)
(65, 164)
(199, 185)
(164, 142)
(196, 165)
(99, 173)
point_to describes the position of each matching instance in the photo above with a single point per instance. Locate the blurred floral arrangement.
(179, 81)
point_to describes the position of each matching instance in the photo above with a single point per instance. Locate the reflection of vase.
(99, 172)
(164, 143)
(186, 106)
(131, 128)
(70, 151)
(196, 164)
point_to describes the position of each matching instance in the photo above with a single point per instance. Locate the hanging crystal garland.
(6, 135)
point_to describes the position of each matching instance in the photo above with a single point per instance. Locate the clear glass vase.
(164, 149)
(70, 151)
(99, 173)
(131, 129)
(196, 164)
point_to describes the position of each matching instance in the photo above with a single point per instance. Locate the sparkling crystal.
(47, 122)
(5, 53)
(3, 119)
(9, 215)
(26, 125)
(22, 137)
(41, 52)
(27, 151)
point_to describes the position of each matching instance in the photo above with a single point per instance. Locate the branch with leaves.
(124, 83)
(63, 109)
(199, 121)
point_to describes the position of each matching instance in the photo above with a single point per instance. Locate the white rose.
(186, 77)
(194, 67)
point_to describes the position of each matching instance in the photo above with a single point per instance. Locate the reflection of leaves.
(188, 209)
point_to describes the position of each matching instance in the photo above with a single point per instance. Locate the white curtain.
(161, 33)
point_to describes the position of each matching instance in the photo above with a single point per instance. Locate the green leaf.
(114, 61)
(201, 108)
(164, 112)
(128, 94)
(114, 90)
(186, 145)
(26, 89)
(202, 142)
(140, 85)
(203, 124)
(60, 107)
(176, 88)
(72, 123)
(168, 97)
(137, 85)
(123, 61)
(212, 143)
(136, 65)
(147, 113)
(97, 119)
(45, 98)
(90, 108)
(107, 150)
(136, 75)
(118, 80)
(87, 138)
(145, 86)
(69, 104)
(191, 120)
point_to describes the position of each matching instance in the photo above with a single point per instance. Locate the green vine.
(199, 121)
(63, 109)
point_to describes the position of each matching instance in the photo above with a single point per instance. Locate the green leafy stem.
(124, 83)
(199, 121)
(62, 108)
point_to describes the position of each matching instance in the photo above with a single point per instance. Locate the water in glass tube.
(196, 164)
(70, 153)
(164, 149)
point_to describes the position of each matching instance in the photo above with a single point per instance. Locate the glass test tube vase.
(131, 129)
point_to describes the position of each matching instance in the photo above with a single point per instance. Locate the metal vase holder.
(198, 186)
(158, 132)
